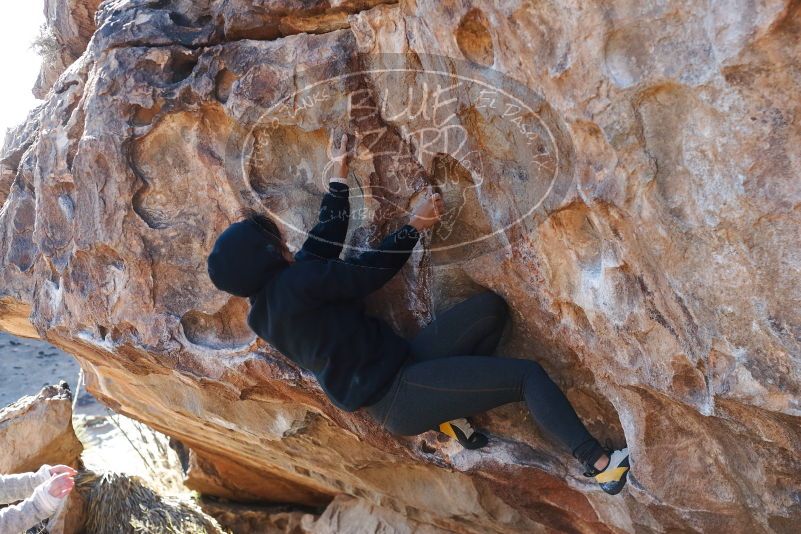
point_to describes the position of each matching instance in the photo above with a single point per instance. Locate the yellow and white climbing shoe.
(462, 431)
(613, 477)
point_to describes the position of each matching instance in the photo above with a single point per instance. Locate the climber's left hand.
(340, 156)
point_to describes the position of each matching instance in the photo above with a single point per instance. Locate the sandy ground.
(28, 364)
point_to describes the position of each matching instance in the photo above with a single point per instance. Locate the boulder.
(38, 430)
(624, 174)
(69, 27)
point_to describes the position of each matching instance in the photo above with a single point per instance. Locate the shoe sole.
(619, 488)
(479, 440)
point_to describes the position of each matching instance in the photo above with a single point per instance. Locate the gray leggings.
(451, 375)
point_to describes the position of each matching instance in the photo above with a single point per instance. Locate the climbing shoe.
(613, 477)
(462, 431)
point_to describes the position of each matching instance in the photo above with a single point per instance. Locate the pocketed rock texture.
(38, 430)
(658, 281)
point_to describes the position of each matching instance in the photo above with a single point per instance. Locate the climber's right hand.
(340, 157)
(429, 212)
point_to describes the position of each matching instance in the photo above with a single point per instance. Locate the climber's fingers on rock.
(338, 146)
(333, 147)
(439, 209)
(436, 201)
(341, 143)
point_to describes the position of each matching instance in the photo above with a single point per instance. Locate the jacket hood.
(244, 259)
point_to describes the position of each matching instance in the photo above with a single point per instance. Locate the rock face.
(70, 25)
(38, 430)
(627, 180)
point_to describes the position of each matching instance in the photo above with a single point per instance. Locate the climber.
(41, 494)
(310, 308)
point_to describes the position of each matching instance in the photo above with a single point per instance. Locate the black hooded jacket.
(313, 312)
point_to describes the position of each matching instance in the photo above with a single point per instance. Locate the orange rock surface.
(639, 212)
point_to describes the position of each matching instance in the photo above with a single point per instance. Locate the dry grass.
(46, 44)
(119, 504)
